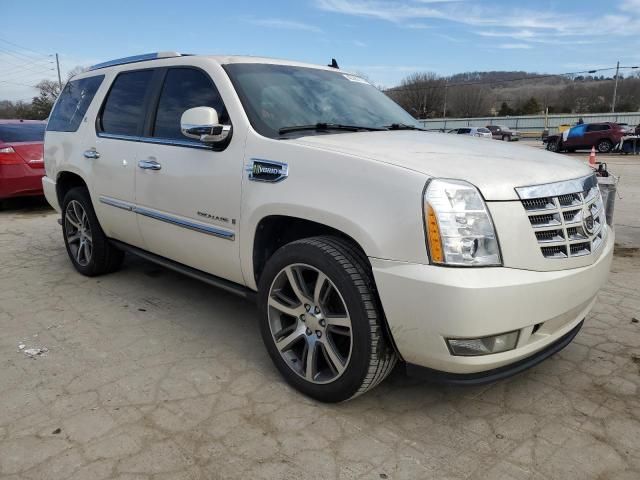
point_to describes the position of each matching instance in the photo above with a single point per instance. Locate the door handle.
(149, 165)
(91, 154)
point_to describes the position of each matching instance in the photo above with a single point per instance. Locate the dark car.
(21, 162)
(501, 132)
(604, 136)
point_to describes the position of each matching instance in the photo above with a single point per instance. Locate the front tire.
(321, 321)
(88, 247)
(506, 138)
(604, 146)
(553, 146)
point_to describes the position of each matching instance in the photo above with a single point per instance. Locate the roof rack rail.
(134, 59)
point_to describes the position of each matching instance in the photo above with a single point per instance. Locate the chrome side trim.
(134, 59)
(555, 189)
(117, 203)
(163, 217)
(159, 141)
(198, 227)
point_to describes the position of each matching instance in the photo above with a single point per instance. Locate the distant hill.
(513, 93)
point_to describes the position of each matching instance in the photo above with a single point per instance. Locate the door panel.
(188, 203)
(114, 188)
(189, 210)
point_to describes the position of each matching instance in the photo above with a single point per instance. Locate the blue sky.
(384, 39)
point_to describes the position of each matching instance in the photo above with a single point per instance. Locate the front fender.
(377, 204)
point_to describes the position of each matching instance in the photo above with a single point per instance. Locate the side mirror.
(201, 123)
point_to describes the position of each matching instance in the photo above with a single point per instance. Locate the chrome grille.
(567, 218)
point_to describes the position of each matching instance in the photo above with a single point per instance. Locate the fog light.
(470, 347)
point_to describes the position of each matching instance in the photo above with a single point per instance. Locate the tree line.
(480, 94)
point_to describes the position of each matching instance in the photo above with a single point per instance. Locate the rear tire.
(331, 311)
(88, 247)
(604, 146)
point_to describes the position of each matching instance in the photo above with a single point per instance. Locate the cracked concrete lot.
(152, 375)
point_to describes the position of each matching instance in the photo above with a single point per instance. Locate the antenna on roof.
(333, 63)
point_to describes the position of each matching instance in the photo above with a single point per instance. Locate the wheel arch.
(65, 181)
(276, 230)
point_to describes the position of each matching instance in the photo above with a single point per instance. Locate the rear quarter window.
(73, 104)
(123, 111)
(22, 132)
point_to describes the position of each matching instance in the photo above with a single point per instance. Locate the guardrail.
(532, 125)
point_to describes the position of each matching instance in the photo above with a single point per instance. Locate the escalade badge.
(588, 221)
(267, 171)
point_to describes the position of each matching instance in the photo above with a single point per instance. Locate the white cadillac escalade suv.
(364, 240)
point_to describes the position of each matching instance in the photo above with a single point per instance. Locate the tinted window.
(73, 104)
(597, 128)
(22, 132)
(184, 88)
(483, 130)
(123, 111)
(462, 131)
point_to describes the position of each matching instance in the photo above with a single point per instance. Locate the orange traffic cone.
(592, 157)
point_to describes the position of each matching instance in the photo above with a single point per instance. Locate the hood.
(496, 168)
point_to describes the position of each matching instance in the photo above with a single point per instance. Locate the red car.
(604, 136)
(21, 158)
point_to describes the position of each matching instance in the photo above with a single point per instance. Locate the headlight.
(459, 229)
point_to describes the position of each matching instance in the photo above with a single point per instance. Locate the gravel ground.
(151, 375)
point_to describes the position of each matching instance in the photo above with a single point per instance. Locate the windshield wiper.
(327, 126)
(403, 126)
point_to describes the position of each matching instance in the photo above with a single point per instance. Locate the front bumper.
(425, 304)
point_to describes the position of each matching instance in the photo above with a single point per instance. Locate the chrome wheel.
(77, 231)
(310, 323)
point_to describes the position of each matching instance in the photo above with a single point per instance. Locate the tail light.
(8, 156)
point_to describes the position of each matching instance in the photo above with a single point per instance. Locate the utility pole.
(444, 108)
(615, 89)
(59, 77)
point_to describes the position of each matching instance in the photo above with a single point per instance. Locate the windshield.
(280, 96)
(22, 132)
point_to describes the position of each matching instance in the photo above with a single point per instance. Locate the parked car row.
(497, 132)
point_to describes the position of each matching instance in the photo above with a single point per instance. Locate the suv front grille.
(567, 217)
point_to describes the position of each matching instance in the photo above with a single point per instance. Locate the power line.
(19, 84)
(22, 58)
(25, 48)
(23, 64)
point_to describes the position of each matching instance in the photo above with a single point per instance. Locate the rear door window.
(73, 104)
(464, 131)
(184, 88)
(21, 132)
(124, 110)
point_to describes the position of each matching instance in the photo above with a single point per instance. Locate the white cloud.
(360, 44)
(518, 23)
(515, 46)
(285, 24)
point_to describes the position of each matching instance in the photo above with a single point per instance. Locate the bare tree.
(469, 100)
(42, 104)
(421, 94)
(75, 71)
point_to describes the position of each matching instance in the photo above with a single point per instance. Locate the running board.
(218, 282)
